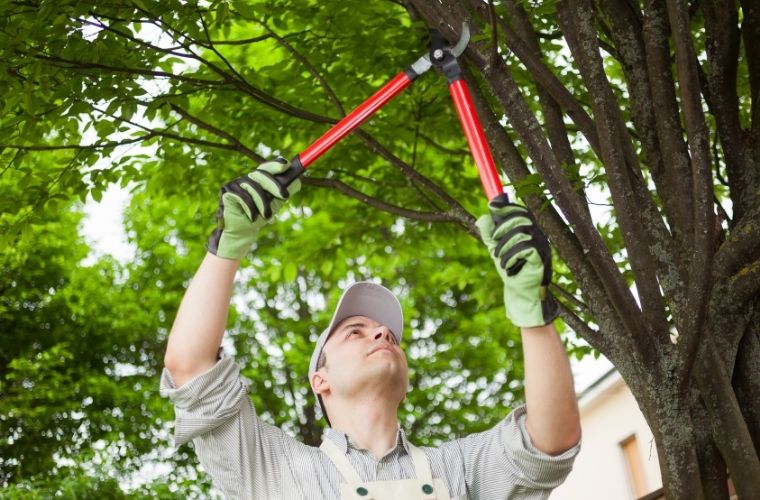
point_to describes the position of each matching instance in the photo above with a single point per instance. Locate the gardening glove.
(245, 205)
(523, 259)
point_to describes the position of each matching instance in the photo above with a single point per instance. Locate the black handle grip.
(499, 201)
(292, 173)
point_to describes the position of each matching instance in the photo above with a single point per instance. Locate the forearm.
(553, 420)
(201, 319)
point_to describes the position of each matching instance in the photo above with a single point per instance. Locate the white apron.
(422, 488)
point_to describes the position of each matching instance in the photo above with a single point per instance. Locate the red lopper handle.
(476, 139)
(355, 118)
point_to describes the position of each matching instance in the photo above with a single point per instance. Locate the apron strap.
(419, 459)
(424, 474)
(338, 458)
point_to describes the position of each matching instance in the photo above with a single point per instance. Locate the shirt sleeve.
(240, 452)
(503, 463)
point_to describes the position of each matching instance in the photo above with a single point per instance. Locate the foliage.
(629, 134)
(86, 84)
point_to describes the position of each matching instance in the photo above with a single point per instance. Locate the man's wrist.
(539, 330)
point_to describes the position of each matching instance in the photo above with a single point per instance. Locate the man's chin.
(390, 372)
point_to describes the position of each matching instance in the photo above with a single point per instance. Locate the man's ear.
(319, 383)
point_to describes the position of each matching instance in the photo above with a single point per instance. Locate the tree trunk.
(712, 467)
(673, 427)
(746, 379)
(728, 426)
(702, 435)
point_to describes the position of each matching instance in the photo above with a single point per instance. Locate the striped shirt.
(248, 458)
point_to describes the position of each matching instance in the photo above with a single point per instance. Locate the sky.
(103, 228)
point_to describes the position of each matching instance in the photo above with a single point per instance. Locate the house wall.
(610, 416)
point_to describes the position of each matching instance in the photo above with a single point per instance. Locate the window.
(634, 466)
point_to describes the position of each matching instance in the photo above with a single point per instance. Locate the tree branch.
(240, 147)
(100, 145)
(701, 178)
(449, 151)
(16, 156)
(233, 78)
(209, 45)
(722, 47)
(310, 68)
(248, 41)
(729, 428)
(454, 207)
(579, 326)
(165, 134)
(569, 297)
(553, 119)
(585, 266)
(575, 18)
(676, 161)
(751, 35)
(547, 80)
(379, 204)
(626, 32)
(132, 39)
(44, 197)
(740, 247)
(238, 81)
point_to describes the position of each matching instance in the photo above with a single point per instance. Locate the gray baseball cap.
(362, 299)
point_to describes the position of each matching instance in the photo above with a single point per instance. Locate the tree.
(649, 103)
(640, 75)
(79, 412)
(113, 319)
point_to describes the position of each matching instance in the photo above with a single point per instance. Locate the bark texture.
(662, 97)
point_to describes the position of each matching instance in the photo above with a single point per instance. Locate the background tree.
(644, 107)
(82, 414)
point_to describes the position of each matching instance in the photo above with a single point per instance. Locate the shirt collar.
(344, 442)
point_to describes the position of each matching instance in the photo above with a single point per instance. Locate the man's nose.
(383, 332)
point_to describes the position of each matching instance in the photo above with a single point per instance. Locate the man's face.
(363, 354)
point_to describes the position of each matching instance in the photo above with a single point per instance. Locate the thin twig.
(494, 33)
(444, 149)
(570, 298)
(216, 131)
(310, 68)
(83, 147)
(10, 163)
(374, 202)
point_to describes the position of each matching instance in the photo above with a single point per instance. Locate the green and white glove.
(246, 204)
(523, 259)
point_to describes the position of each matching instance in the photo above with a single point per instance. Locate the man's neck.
(371, 423)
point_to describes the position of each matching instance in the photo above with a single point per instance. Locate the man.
(359, 373)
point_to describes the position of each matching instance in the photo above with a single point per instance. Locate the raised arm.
(199, 326)
(553, 420)
(245, 205)
(523, 259)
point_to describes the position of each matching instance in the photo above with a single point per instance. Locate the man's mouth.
(381, 347)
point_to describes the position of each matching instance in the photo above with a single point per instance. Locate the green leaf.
(326, 267)
(290, 272)
(481, 37)
(222, 11)
(244, 8)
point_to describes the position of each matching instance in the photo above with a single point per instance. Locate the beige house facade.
(618, 460)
